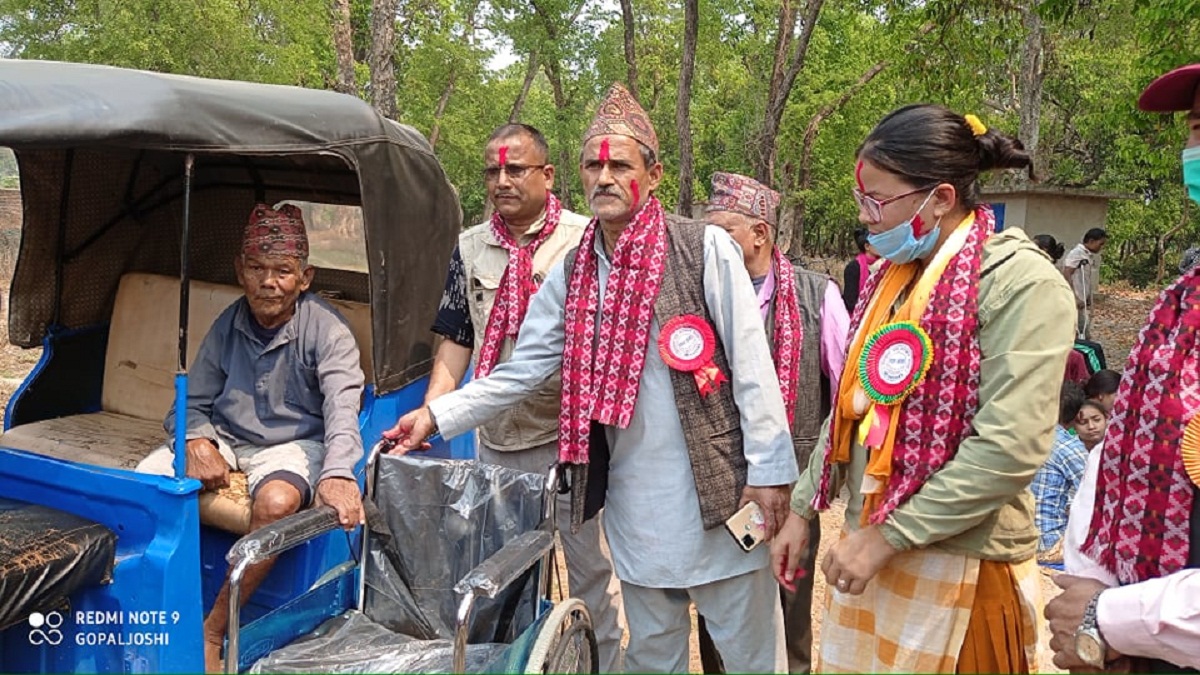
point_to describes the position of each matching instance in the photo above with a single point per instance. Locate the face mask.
(900, 245)
(1191, 172)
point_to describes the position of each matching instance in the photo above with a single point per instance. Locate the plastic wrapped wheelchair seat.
(437, 520)
(47, 554)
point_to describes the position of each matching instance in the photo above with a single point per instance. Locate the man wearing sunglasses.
(496, 268)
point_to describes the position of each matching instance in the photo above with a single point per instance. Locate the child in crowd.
(1091, 423)
(1102, 387)
(1055, 483)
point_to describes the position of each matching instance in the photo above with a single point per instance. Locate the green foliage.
(1097, 57)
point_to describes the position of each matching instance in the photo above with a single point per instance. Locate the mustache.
(605, 192)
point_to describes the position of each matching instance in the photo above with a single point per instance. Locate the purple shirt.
(835, 327)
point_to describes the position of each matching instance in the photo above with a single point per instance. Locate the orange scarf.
(854, 410)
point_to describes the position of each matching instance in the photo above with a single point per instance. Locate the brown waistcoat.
(711, 425)
(812, 391)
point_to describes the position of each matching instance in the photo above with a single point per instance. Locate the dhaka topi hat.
(742, 194)
(275, 232)
(620, 114)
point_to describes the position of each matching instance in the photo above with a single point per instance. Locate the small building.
(1064, 213)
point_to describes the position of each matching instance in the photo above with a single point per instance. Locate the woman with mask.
(946, 409)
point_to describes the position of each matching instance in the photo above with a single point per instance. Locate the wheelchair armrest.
(503, 567)
(283, 535)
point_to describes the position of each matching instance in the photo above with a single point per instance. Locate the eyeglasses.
(513, 171)
(874, 207)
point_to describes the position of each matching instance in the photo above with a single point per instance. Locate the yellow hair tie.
(978, 128)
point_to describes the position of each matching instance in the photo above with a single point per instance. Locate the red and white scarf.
(936, 417)
(1144, 499)
(603, 360)
(517, 285)
(789, 332)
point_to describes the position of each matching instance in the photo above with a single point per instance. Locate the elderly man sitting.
(274, 392)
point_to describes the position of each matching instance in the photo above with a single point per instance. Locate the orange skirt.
(996, 635)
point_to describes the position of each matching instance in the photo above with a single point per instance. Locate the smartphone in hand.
(748, 526)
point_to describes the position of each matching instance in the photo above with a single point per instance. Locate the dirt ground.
(1118, 315)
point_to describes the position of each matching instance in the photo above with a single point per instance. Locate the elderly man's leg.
(281, 481)
(589, 563)
(659, 626)
(745, 621)
(273, 500)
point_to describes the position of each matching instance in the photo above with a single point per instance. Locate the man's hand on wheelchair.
(411, 431)
(343, 495)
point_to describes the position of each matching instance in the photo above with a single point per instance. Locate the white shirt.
(652, 511)
(1157, 618)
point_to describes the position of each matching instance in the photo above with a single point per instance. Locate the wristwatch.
(1090, 646)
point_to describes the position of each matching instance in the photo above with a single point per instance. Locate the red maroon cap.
(1174, 91)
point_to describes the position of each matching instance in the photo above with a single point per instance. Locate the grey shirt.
(305, 384)
(652, 511)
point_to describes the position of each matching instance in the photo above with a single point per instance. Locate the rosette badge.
(687, 343)
(894, 360)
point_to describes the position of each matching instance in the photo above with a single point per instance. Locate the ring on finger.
(842, 584)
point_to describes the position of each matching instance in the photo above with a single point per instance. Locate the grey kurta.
(652, 512)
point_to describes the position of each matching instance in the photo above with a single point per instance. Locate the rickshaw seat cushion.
(142, 354)
(120, 442)
(45, 556)
(102, 438)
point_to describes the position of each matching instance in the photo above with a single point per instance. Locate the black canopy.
(101, 155)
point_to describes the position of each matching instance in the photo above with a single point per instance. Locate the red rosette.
(687, 343)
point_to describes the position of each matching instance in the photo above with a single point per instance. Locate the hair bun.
(1001, 151)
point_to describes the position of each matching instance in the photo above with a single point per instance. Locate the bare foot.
(212, 656)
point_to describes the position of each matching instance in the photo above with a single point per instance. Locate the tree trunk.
(683, 106)
(530, 74)
(792, 228)
(440, 110)
(1166, 239)
(382, 59)
(630, 53)
(343, 44)
(468, 38)
(1031, 76)
(561, 105)
(783, 78)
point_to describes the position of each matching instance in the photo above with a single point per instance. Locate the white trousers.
(743, 615)
(589, 563)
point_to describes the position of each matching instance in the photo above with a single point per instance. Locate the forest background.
(783, 90)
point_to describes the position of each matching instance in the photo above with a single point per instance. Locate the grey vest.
(812, 391)
(711, 425)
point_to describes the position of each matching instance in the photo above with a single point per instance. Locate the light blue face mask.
(900, 245)
(1191, 172)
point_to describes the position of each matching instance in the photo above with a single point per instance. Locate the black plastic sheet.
(446, 517)
(45, 555)
(352, 643)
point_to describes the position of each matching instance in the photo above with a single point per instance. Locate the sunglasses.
(874, 207)
(513, 171)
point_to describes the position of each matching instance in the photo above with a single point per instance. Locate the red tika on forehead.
(858, 176)
(604, 150)
(503, 155)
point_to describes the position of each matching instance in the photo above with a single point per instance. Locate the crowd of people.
(690, 375)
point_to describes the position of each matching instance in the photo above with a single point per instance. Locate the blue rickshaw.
(135, 188)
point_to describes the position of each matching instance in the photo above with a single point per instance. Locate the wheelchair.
(455, 575)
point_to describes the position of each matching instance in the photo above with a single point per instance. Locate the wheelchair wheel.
(566, 643)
